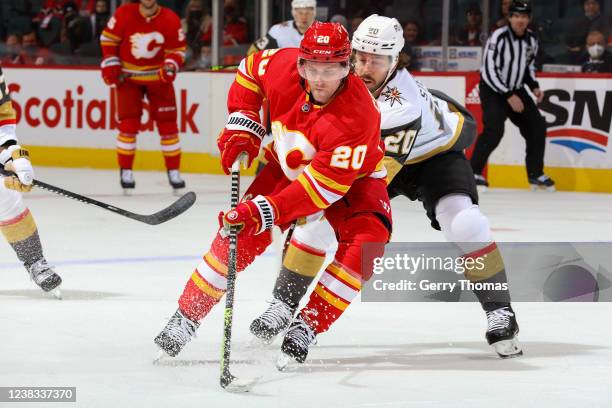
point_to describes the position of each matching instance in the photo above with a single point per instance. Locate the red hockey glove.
(242, 133)
(251, 217)
(111, 70)
(167, 73)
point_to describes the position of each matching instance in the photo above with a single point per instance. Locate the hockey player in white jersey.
(425, 133)
(288, 34)
(16, 221)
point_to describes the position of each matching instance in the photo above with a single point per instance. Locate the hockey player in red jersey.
(326, 160)
(425, 132)
(143, 47)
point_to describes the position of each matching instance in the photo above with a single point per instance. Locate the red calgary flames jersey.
(321, 149)
(143, 44)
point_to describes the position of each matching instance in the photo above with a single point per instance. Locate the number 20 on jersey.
(345, 156)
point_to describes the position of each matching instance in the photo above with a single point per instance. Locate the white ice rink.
(122, 280)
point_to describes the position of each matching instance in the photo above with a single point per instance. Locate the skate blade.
(177, 192)
(550, 189)
(240, 385)
(56, 293)
(508, 348)
(128, 192)
(482, 189)
(283, 363)
(160, 356)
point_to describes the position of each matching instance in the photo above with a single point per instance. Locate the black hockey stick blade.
(238, 385)
(173, 210)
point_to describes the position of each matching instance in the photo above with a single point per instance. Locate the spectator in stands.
(98, 19)
(25, 50)
(591, 21)
(412, 38)
(355, 21)
(596, 58)
(504, 11)
(197, 20)
(11, 52)
(49, 21)
(196, 23)
(236, 30)
(471, 33)
(86, 7)
(412, 34)
(235, 33)
(29, 40)
(74, 31)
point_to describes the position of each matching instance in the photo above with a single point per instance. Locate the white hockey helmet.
(380, 35)
(303, 4)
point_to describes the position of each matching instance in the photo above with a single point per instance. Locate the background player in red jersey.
(144, 47)
(326, 160)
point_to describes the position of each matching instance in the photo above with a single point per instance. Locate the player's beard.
(371, 83)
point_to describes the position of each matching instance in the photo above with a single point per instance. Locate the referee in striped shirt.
(508, 65)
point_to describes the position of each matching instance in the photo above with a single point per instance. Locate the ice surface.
(122, 279)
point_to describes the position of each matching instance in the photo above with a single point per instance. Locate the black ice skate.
(127, 181)
(274, 320)
(45, 277)
(543, 182)
(176, 182)
(296, 342)
(177, 333)
(481, 183)
(502, 331)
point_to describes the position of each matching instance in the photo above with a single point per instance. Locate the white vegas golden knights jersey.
(415, 124)
(281, 35)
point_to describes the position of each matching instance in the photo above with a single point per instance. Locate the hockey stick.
(177, 208)
(126, 75)
(288, 239)
(227, 380)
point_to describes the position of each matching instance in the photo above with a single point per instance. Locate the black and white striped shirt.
(509, 61)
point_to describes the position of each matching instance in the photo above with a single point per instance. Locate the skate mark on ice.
(437, 356)
(114, 261)
(173, 362)
(67, 294)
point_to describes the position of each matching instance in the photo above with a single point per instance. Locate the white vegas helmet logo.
(146, 45)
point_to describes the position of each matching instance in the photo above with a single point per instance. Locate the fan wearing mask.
(596, 58)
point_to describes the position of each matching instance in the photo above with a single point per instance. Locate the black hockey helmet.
(519, 6)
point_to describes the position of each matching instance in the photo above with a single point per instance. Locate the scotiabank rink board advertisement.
(67, 109)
